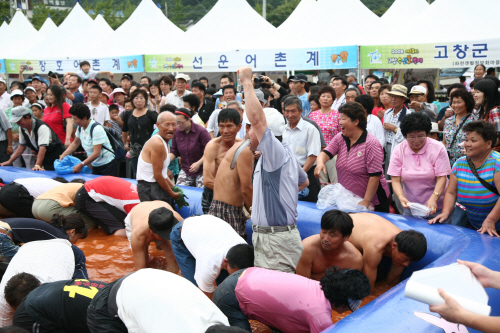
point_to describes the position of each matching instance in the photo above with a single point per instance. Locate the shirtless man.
(145, 224)
(214, 153)
(153, 182)
(233, 182)
(330, 247)
(376, 237)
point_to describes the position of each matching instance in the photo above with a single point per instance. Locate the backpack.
(114, 139)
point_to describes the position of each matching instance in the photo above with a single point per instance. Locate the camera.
(52, 75)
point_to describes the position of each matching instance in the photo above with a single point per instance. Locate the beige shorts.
(44, 209)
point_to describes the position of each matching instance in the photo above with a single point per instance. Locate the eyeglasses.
(418, 138)
(181, 123)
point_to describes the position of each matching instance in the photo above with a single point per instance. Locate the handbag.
(456, 133)
(483, 182)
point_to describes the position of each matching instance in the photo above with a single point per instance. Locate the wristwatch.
(437, 194)
(396, 130)
(83, 163)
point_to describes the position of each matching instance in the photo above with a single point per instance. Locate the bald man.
(148, 222)
(152, 168)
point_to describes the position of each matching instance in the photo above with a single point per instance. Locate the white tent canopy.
(100, 23)
(3, 26)
(401, 9)
(147, 31)
(305, 9)
(16, 34)
(245, 29)
(48, 27)
(59, 43)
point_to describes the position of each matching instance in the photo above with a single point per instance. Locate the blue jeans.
(80, 268)
(226, 301)
(7, 247)
(185, 259)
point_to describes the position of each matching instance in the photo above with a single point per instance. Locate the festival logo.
(153, 63)
(375, 57)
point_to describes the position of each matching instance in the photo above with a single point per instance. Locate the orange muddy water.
(110, 257)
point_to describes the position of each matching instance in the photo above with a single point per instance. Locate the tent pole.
(143, 65)
(359, 66)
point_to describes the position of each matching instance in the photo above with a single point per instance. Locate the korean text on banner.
(260, 60)
(128, 64)
(437, 55)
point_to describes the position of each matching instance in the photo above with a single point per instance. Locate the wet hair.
(336, 220)
(148, 78)
(240, 256)
(224, 329)
(415, 122)
(292, 100)
(225, 76)
(78, 180)
(68, 222)
(454, 86)
(431, 97)
(484, 128)
(61, 180)
(80, 110)
(192, 100)
(344, 81)
(490, 91)
(326, 90)
(340, 285)
(484, 67)
(229, 86)
(199, 85)
(367, 102)
(78, 79)
(466, 97)
(229, 114)
(13, 329)
(83, 63)
(96, 87)
(354, 111)
(412, 243)
(113, 107)
(168, 107)
(186, 111)
(58, 95)
(139, 92)
(166, 80)
(18, 287)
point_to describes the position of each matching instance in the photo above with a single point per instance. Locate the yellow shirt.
(64, 194)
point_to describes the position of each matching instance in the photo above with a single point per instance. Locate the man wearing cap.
(73, 95)
(17, 98)
(304, 142)
(175, 97)
(340, 86)
(392, 120)
(38, 136)
(5, 101)
(30, 94)
(418, 102)
(289, 302)
(232, 187)
(207, 250)
(297, 85)
(278, 178)
(151, 221)
(351, 79)
(36, 82)
(125, 82)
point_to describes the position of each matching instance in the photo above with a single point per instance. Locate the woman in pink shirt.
(422, 164)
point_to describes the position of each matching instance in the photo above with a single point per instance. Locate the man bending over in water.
(330, 247)
(149, 222)
(376, 237)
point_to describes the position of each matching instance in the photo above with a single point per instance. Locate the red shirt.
(114, 191)
(53, 117)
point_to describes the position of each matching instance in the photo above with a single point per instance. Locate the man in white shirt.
(339, 85)
(98, 110)
(207, 250)
(153, 301)
(175, 97)
(5, 101)
(304, 142)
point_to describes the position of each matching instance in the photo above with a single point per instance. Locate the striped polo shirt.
(478, 200)
(356, 164)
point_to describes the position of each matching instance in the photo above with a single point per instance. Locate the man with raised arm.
(148, 222)
(233, 183)
(330, 247)
(278, 178)
(376, 237)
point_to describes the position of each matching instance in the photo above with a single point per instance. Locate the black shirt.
(206, 110)
(27, 230)
(140, 129)
(58, 307)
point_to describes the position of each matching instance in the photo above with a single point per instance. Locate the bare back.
(371, 232)
(139, 219)
(230, 185)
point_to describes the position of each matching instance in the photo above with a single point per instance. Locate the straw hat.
(398, 90)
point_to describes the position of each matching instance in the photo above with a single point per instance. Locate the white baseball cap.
(275, 121)
(185, 77)
(16, 92)
(418, 90)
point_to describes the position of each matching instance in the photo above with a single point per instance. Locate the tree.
(380, 11)
(178, 14)
(279, 14)
(41, 12)
(5, 11)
